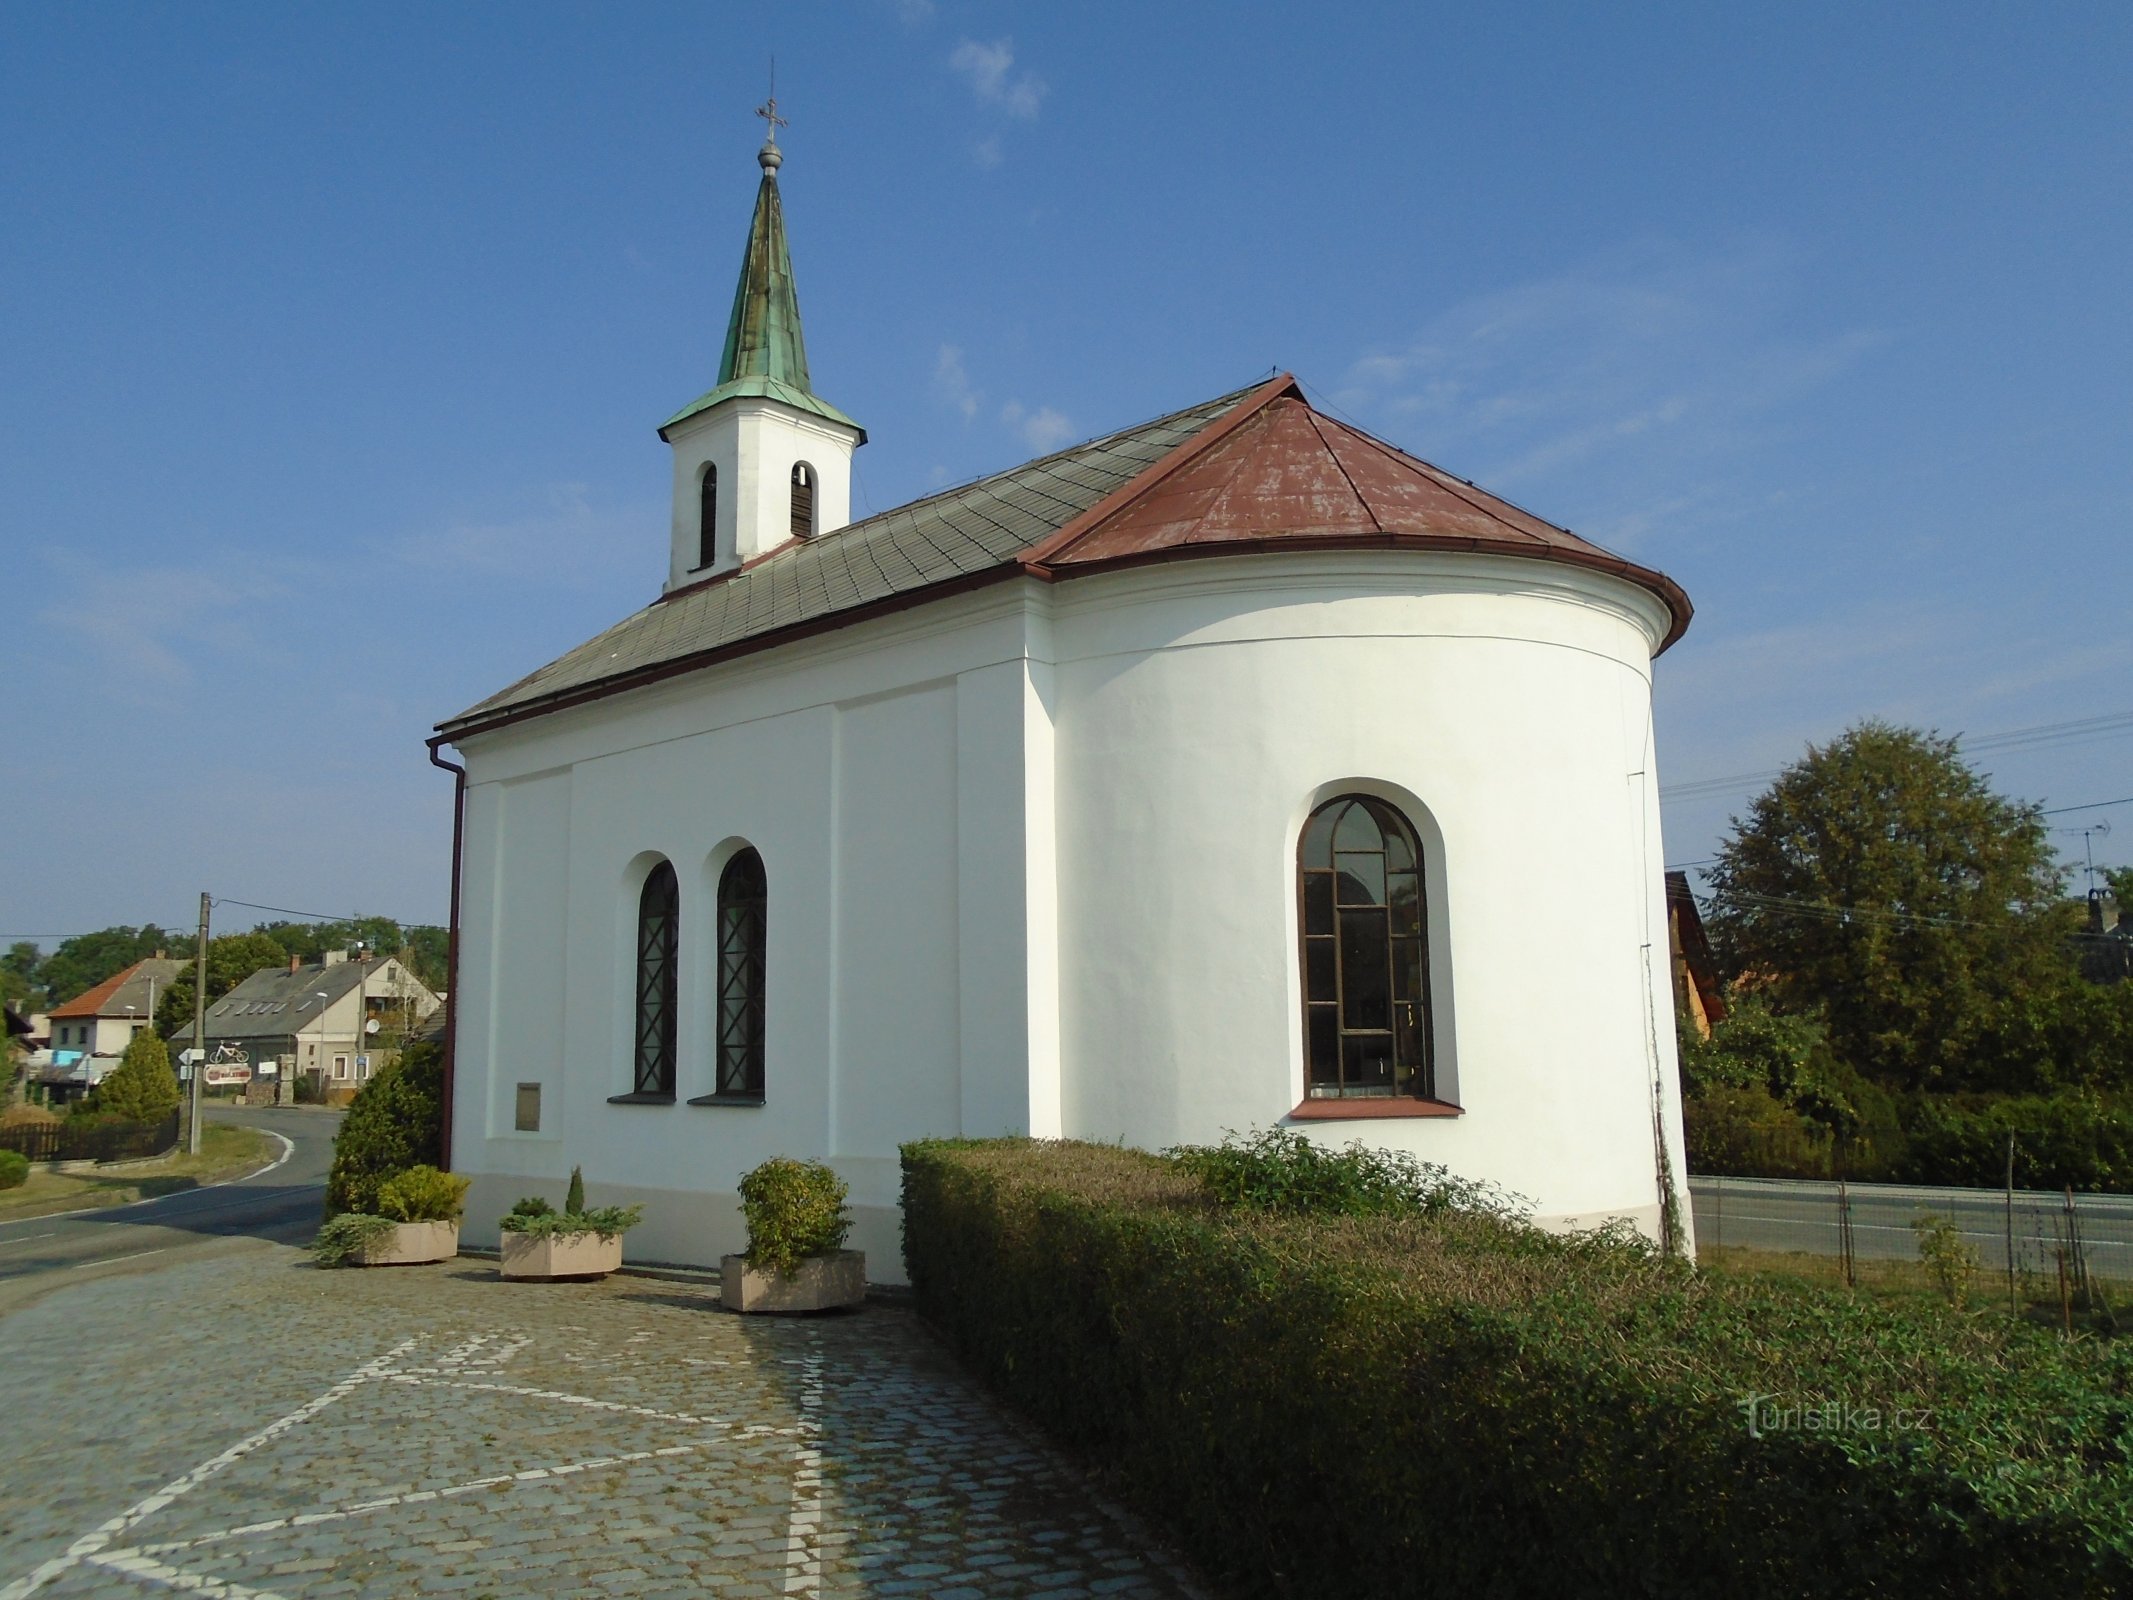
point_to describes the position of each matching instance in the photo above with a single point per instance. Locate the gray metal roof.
(275, 1000)
(976, 528)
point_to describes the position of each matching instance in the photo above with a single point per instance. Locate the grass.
(225, 1152)
(1900, 1282)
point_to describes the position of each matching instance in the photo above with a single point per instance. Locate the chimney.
(2103, 911)
(296, 963)
(334, 958)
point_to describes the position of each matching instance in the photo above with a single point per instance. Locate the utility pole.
(192, 1140)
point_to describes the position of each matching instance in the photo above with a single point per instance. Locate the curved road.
(40, 1254)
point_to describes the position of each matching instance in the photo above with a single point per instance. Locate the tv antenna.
(2089, 836)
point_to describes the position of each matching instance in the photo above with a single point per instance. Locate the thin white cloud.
(1043, 430)
(1648, 365)
(951, 381)
(915, 13)
(566, 537)
(149, 627)
(988, 152)
(990, 69)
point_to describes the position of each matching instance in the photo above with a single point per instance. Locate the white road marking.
(101, 1548)
(311, 1519)
(105, 1261)
(803, 1525)
(8, 1243)
(139, 1566)
(419, 1376)
(287, 1150)
(94, 1544)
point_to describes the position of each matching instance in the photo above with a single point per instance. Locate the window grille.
(1365, 955)
(658, 972)
(743, 897)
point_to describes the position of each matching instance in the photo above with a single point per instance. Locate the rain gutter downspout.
(451, 948)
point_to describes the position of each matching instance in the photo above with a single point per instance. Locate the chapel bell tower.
(759, 461)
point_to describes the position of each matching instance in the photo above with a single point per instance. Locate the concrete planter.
(411, 1243)
(560, 1255)
(820, 1283)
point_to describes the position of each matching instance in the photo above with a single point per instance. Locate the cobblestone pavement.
(253, 1427)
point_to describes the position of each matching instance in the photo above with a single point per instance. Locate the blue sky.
(332, 342)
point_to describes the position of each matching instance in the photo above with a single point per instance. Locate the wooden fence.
(98, 1141)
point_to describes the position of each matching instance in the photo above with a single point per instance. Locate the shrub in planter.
(14, 1169)
(349, 1237)
(540, 1242)
(423, 1194)
(797, 1224)
(397, 1122)
(417, 1220)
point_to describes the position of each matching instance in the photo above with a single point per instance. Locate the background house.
(89, 1033)
(308, 1013)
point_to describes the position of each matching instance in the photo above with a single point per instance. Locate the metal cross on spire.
(768, 111)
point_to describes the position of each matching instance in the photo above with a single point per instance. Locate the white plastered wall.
(883, 780)
(1206, 707)
(754, 443)
(1030, 853)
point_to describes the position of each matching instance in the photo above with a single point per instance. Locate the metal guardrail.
(104, 1141)
(2024, 1248)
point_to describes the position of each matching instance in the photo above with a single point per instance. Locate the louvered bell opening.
(803, 500)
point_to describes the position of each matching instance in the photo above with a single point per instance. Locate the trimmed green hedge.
(1461, 1405)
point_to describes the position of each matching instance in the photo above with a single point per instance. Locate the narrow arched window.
(658, 975)
(743, 898)
(803, 500)
(707, 517)
(1365, 953)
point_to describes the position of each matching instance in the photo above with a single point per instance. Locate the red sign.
(225, 1072)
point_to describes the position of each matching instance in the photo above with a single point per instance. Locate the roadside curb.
(894, 1294)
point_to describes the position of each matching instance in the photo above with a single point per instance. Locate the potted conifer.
(797, 1222)
(417, 1220)
(539, 1242)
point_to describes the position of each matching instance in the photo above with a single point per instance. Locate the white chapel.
(1230, 770)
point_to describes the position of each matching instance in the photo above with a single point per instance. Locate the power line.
(2078, 731)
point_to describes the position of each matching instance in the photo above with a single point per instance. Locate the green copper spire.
(765, 355)
(763, 337)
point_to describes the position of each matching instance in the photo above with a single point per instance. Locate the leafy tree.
(1883, 883)
(87, 959)
(18, 976)
(396, 1122)
(141, 1088)
(2120, 880)
(426, 952)
(231, 958)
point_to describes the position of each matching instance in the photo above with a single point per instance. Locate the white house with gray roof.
(324, 1017)
(1193, 779)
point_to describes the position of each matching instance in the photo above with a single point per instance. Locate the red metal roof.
(90, 1002)
(1277, 474)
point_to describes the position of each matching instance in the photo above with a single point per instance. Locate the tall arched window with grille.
(1365, 961)
(743, 901)
(707, 516)
(803, 500)
(658, 975)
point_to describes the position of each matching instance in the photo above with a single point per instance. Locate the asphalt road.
(39, 1254)
(1794, 1214)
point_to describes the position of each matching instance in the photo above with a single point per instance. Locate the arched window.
(742, 900)
(1365, 953)
(803, 500)
(658, 974)
(707, 517)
